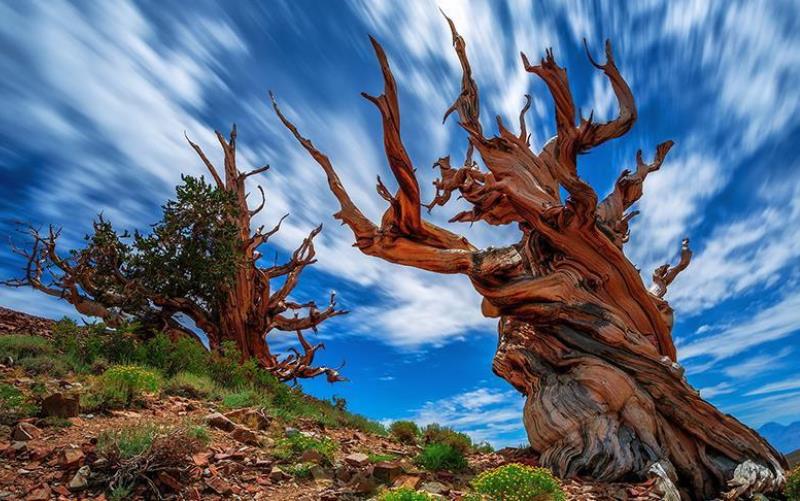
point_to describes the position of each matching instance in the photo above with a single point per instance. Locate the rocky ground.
(43, 458)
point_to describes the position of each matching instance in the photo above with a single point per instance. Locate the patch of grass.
(19, 346)
(190, 385)
(14, 405)
(120, 493)
(38, 365)
(238, 400)
(404, 494)
(405, 432)
(295, 445)
(378, 458)
(119, 386)
(517, 481)
(439, 457)
(198, 432)
(56, 422)
(301, 471)
(125, 443)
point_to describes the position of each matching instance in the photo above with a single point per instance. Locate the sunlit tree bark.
(579, 332)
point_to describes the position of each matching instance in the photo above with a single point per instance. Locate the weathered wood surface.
(580, 334)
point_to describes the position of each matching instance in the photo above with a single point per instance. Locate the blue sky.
(95, 97)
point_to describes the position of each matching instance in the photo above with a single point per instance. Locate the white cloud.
(744, 254)
(783, 408)
(671, 205)
(757, 365)
(770, 324)
(716, 390)
(779, 386)
(485, 414)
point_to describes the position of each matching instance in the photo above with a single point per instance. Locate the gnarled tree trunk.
(580, 334)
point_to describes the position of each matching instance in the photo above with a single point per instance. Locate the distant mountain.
(793, 458)
(785, 438)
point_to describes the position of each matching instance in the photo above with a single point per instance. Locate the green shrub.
(190, 385)
(14, 405)
(119, 386)
(295, 445)
(405, 432)
(198, 432)
(188, 355)
(238, 400)
(44, 364)
(300, 471)
(437, 457)
(19, 346)
(517, 481)
(436, 434)
(405, 494)
(792, 488)
(124, 443)
(483, 448)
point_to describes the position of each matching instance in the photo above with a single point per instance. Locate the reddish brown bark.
(249, 311)
(580, 334)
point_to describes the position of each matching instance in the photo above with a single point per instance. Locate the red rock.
(217, 420)
(70, 457)
(202, 458)
(61, 490)
(218, 485)
(170, 481)
(251, 418)
(41, 493)
(357, 459)
(244, 435)
(25, 431)
(387, 471)
(61, 405)
(408, 481)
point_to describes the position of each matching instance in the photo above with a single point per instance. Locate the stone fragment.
(244, 435)
(387, 471)
(278, 475)
(408, 481)
(361, 483)
(81, 479)
(170, 481)
(312, 456)
(219, 486)
(252, 418)
(434, 487)
(40, 493)
(60, 405)
(70, 457)
(320, 473)
(357, 459)
(217, 420)
(25, 431)
(201, 458)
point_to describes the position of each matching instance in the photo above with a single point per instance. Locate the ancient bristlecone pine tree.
(163, 275)
(579, 332)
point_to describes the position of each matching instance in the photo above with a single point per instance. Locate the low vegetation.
(405, 494)
(518, 482)
(296, 444)
(439, 457)
(122, 367)
(792, 489)
(405, 432)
